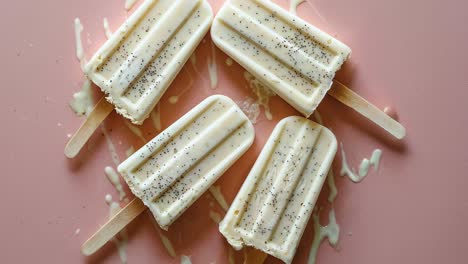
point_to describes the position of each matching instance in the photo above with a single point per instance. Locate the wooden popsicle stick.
(348, 97)
(94, 119)
(113, 227)
(254, 256)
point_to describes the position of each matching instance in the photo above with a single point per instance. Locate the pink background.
(406, 54)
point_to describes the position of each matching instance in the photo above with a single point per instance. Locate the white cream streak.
(318, 117)
(135, 130)
(82, 102)
(215, 217)
(212, 68)
(107, 30)
(78, 43)
(174, 99)
(129, 151)
(330, 231)
(164, 239)
(363, 168)
(219, 197)
(121, 242)
(156, 117)
(110, 145)
(185, 260)
(114, 178)
(333, 191)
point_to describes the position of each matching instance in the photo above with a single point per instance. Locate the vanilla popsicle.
(141, 59)
(295, 59)
(274, 204)
(175, 168)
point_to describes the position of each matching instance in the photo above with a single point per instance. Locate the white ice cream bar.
(141, 59)
(274, 204)
(295, 59)
(175, 168)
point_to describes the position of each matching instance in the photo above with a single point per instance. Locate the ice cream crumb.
(333, 191)
(77, 231)
(229, 62)
(391, 112)
(108, 198)
(212, 68)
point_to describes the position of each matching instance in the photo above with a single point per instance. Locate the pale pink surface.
(406, 54)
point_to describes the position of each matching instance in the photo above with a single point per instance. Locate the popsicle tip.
(70, 152)
(86, 249)
(401, 133)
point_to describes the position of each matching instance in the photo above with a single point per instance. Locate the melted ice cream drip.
(107, 30)
(174, 99)
(363, 168)
(212, 68)
(114, 178)
(156, 117)
(135, 130)
(330, 231)
(262, 93)
(219, 197)
(120, 241)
